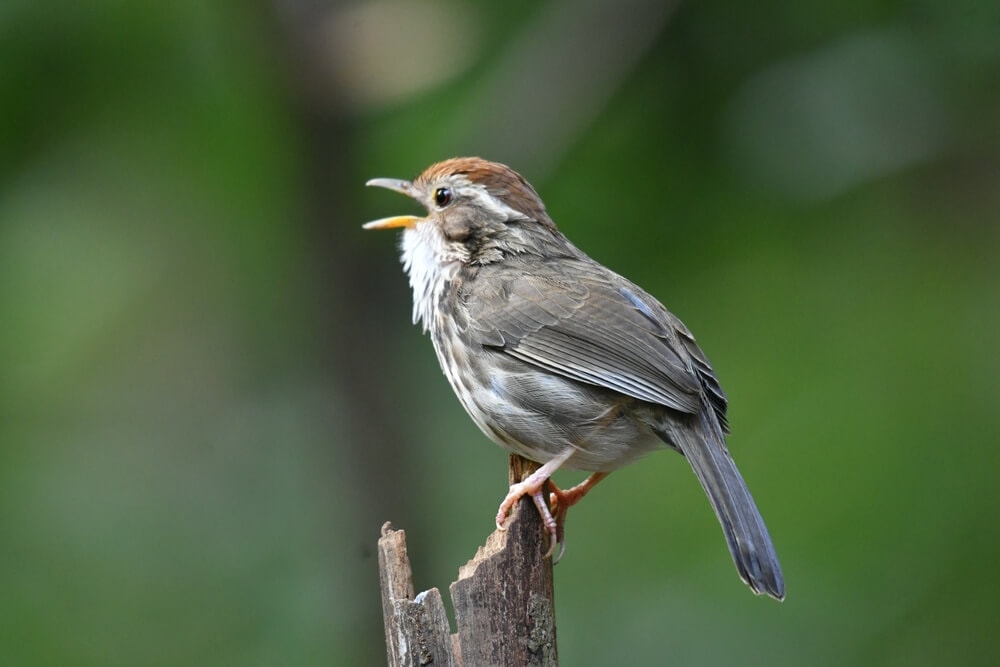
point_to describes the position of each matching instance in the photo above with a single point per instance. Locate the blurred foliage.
(813, 187)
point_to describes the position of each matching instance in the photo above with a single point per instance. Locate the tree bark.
(503, 598)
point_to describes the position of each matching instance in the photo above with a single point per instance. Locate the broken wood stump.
(503, 598)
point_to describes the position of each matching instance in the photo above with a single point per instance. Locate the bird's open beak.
(402, 187)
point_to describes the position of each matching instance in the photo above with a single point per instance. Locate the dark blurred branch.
(352, 293)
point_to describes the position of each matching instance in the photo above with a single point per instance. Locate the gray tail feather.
(746, 534)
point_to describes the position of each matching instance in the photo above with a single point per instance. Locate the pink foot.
(533, 486)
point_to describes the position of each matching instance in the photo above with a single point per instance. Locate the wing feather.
(596, 328)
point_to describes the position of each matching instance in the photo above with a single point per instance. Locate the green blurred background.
(212, 396)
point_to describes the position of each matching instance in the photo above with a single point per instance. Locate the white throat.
(426, 258)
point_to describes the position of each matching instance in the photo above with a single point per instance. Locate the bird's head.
(477, 211)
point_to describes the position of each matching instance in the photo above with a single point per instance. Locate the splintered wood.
(503, 599)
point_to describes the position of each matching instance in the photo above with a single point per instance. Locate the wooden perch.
(503, 598)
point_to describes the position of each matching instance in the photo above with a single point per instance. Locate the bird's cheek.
(456, 229)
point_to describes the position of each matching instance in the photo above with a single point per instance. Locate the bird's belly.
(538, 414)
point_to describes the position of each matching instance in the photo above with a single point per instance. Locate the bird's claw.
(553, 525)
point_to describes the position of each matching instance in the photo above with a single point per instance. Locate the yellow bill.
(394, 222)
(397, 221)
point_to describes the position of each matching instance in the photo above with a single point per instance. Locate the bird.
(559, 359)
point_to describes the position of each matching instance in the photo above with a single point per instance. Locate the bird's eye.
(442, 197)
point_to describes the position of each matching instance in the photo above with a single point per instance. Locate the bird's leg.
(532, 486)
(552, 526)
(560, 501)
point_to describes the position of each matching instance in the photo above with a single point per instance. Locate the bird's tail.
(746, 534)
